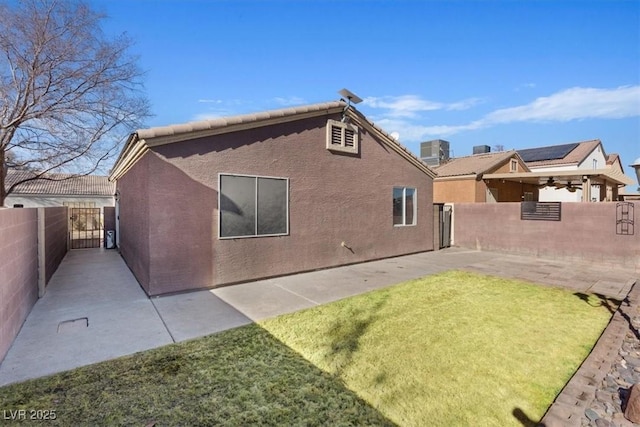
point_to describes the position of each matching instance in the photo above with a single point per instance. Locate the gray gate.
(86, 228)
(444, 212)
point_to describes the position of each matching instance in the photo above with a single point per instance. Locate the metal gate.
(86, 229)
(445, 225)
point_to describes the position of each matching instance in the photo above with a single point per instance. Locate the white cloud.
(570, 104)
(409, 106)
(574, 104)
(402, 106)
(210, 101)
(465, 104)
(292, 100)
(415, 132)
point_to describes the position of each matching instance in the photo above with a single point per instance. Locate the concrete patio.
(94, 310)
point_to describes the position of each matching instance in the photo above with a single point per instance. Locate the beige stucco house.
(88, 191)
(464, 179)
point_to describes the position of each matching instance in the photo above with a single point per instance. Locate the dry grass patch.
(241, 377)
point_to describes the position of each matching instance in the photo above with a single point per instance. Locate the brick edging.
(568, 408)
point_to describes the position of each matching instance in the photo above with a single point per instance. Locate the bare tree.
(69, 95)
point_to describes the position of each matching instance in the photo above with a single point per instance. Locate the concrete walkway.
(96, 285)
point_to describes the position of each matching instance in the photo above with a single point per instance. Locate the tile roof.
(473, 165)
(222, 122)
(611, 158)
(140, 141)
(573, 157)
(60, 184)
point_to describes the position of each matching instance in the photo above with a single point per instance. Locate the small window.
(513, 166)
(342, 137)
(404, 206)
(252, 206)
(595, 164)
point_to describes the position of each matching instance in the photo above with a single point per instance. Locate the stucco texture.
(587, 231)
(18, 271)
(468, 189)
(56, 223)
(134, 220)
(333, 198)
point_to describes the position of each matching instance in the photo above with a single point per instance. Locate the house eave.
(141, 141)
(456, 177)
(538, 177)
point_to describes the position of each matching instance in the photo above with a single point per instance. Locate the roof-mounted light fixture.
(351, 98)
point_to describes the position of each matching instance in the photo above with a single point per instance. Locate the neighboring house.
(596, 176)
(463, 179)
(222, 201)
(89, 191)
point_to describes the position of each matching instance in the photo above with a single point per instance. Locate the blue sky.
(513, 73)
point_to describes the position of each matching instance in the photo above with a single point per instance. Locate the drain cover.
(73, 325)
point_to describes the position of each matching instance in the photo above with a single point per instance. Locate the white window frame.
(513, 165)
(250, 236)
(404, 206)
(342, 147)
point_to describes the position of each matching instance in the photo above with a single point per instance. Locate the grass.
(456, 349)
(452, 349)
(239, 377)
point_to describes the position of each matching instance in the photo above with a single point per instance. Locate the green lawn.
(456, 349)
(452, 349)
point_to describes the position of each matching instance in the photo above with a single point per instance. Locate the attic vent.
(336, 135)
(349, 138)
(342, 137)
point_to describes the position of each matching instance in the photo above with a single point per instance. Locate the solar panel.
(552, 152)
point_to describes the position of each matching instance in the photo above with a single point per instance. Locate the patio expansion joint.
(173, 339)
(295, 293)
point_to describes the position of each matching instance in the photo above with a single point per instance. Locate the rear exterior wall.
(134, 220)
(333, 198)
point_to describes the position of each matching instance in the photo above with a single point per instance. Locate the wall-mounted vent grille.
(342, 137)
(625, 219)
(349, 138)
(336, 135)
(541, 211)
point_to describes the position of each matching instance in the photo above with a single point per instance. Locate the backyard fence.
(607, 233)
(32, 245)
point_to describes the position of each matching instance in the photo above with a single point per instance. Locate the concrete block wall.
(18, 271)
(586, 232)
(33, 242)
(56, 223)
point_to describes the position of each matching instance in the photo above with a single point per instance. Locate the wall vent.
(342, 137)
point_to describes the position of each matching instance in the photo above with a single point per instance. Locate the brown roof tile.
(611, 158)
(60, 184)
(473, 165)
(140, 140)
(222, 122)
